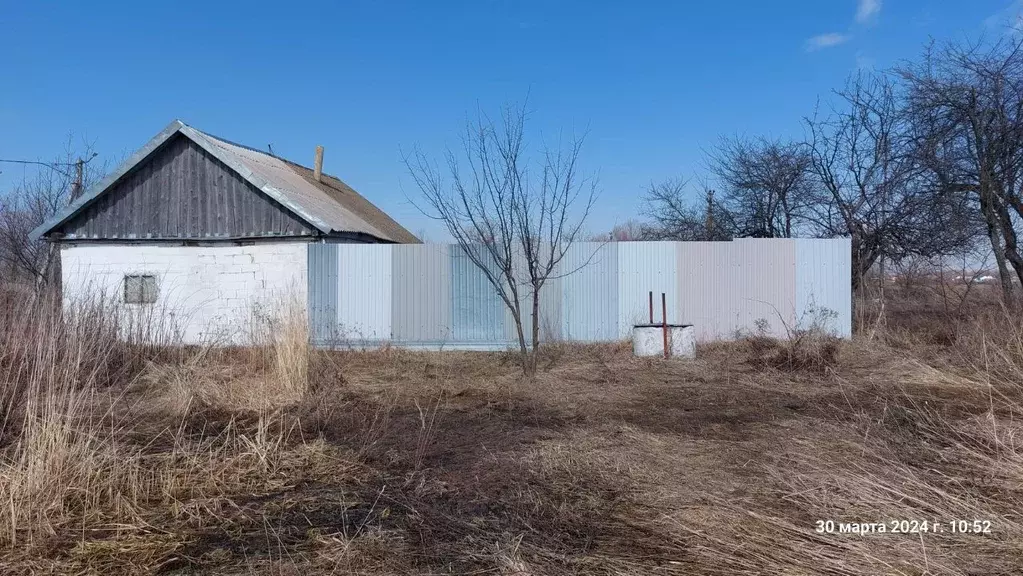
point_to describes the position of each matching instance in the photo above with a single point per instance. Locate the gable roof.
(330, 206)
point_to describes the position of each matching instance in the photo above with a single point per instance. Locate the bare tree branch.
(676, 217)
(766, 185)
(40, 196)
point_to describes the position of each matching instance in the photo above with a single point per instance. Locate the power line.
(37, 162)
(52, 165)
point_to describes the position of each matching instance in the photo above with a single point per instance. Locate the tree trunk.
(857, 278)
(863, 257)
(517, 318)
(788, 216)
(991, 219)
(536, 331)
(1011, 243)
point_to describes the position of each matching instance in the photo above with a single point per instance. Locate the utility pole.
(76, 186)
(708, 225)
(51, 248)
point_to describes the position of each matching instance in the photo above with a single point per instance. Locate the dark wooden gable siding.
(182, 192)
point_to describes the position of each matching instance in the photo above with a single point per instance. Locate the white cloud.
(1008, 20)
(867, 10)
(828, 40)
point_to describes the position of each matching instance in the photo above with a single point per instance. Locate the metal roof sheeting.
(282, 181)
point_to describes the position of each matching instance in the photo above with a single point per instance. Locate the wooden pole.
(76, 186)
(664, 323)
(651, 294)
(708, 225)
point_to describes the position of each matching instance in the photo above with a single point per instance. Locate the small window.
(140, 289)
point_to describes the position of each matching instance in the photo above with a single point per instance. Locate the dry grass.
(122, 458)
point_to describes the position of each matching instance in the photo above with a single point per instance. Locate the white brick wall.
(206, 293)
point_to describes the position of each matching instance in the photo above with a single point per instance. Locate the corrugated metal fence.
(432, 295)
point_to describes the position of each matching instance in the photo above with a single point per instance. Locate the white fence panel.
(413, 295)
(645, 267)
(364, 291)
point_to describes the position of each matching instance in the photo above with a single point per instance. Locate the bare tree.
(966, 102)
(513, 218)
(47, 190)
(766, 185)
(869, 186)
(675, 216)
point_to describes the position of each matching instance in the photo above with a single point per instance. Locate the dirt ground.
(610, 464)
(452, 463)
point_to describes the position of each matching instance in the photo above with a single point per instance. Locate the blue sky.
(654, 84)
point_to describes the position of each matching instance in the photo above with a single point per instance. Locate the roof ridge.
(238, 144)
(258, 151)
(265, 153)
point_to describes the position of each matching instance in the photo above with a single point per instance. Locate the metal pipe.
(664, 323)
(651, 294)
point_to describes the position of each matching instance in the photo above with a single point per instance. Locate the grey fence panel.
(707, 288)
(477, 311)
(644, 267)
(521, 284)
(589, 292)
(437, 297)
(364, 298)
(550, 305)
(765, 285)
(421, 293)
(323, 292)
(550, 309)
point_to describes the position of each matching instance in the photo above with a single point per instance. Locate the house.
(203, 230)
(205, 239)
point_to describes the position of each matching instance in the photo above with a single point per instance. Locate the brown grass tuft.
(805, 351)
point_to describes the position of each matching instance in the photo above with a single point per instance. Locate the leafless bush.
(809, 346)
(807, 352)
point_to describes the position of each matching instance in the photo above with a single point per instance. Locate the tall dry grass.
(77, 385)
(937, 437)
(280, 336)
(56, 465)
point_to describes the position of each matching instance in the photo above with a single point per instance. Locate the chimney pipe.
(318, 166)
